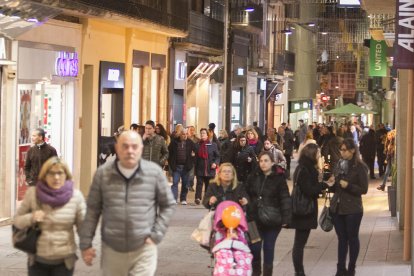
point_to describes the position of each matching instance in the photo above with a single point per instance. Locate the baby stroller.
(229, 246)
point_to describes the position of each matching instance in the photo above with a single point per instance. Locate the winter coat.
(132, 209)
(275, 193)
(57, 239)
(381, 136)
(306, 177)
(348, 201)
(233, 194)
(289, 142)
(258, 147)
(155, 150)
(367, 146)
(172, 154)
(278, 156)
(239, 160)
(203, 166)
(35, 158)
(225, 149)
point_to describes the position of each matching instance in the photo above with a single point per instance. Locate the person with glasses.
(56, 207)
(351, 182)
(225, 187)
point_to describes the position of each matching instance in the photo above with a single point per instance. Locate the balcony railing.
(155, 11)
(204, 31)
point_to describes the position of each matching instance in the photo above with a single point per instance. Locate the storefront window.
(136, 95)
(154, 94)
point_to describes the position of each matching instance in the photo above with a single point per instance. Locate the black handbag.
(26, 239)
(325, 219)
(268, 215)
(302, 205)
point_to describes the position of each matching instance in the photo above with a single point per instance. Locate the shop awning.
(17, 17)
(349, 109)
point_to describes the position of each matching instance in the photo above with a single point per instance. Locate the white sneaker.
(183, 202)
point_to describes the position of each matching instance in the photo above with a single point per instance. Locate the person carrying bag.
(304, 202)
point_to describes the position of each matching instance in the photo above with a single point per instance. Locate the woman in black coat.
(306, 177)
(243, 158)
(351, 181)
(265, 187)
(225, 187)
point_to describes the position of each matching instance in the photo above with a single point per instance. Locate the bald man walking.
(136, 204)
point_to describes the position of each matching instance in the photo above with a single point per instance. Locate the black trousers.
(288, 158)
(301, 238)
(381, 163)
(370, 163)
(199, 188)
(41, 269)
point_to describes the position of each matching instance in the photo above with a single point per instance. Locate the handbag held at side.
(325, 218)
(302, 205)
(26, 239)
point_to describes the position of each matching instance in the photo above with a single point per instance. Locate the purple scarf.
(52, 197)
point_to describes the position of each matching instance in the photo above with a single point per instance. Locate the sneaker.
(183, 202)
(197, 201)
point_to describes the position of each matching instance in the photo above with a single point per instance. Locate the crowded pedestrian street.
(380, 254)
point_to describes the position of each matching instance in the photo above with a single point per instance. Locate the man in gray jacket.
(136, 204)
(155, 148)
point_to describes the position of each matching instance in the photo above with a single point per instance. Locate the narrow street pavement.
(381, 246)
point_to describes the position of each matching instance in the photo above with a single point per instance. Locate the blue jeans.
(177, 174)
(347, 231)
(387, 173)
(268, 243)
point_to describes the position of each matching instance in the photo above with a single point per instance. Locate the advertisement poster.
(21, 177)
(25, 105)
(378, 58)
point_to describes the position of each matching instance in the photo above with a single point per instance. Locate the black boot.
(300, 273)
(351, 270)
(267, 270)
(257, 269)
(341, 272)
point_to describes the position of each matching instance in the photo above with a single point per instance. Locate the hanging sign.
(67, 64)
(404, 35)
(378, 58)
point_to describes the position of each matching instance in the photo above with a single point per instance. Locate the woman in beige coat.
(56, 206)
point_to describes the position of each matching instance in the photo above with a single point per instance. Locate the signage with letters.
(378, 58)
(67, 64)
(404, 35)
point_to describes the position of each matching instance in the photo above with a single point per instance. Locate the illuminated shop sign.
(67, 64)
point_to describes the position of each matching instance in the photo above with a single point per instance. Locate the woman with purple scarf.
(56, 207)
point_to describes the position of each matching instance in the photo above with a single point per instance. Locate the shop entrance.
(111, 108)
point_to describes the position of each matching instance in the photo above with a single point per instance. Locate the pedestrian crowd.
(131, 198)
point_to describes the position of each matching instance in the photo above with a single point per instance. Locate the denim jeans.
(301, 237)
(387, 173)
(177, 174)
(347, 231)
(268, 243)
(41, 269)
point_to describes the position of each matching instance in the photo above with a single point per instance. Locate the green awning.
(349, 109)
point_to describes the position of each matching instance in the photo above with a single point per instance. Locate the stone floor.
(380, 254)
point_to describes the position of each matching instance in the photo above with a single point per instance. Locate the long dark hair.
(163, 132)
(350, 145)
(309, 154)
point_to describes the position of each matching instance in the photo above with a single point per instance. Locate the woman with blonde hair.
(308, 140)
(56, 207)
(225, 187)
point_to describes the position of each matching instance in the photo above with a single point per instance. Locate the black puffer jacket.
(348, 201)
(306, 177)
(239, 159)
(36, 157)
(233, 194)
(275, 193)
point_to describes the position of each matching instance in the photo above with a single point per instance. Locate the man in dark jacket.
(37, 155)
(181, 161)
(155, 149)
(288, 145)
(368, 149)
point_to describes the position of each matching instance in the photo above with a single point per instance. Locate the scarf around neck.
(252, 142)
(202, 151)
(52, 197)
